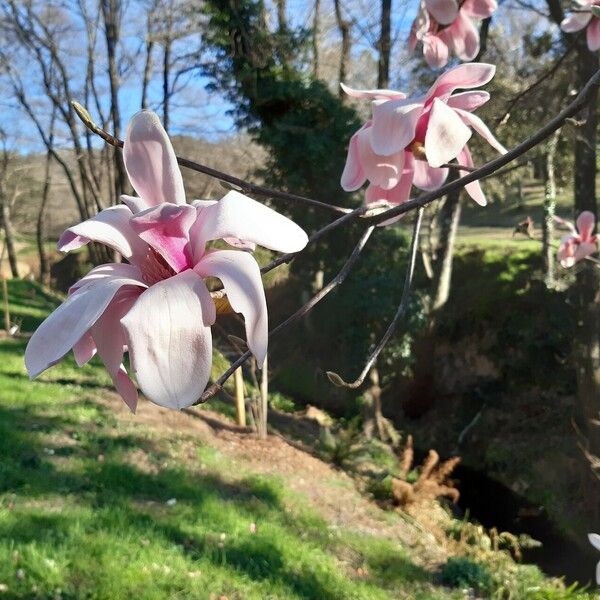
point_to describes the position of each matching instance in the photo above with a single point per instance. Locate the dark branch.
(303, 310)
(410, 269)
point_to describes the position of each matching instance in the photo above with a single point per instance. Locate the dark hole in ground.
(492, 504)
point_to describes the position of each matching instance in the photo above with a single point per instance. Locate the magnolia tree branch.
(402, 307)
(305, 308)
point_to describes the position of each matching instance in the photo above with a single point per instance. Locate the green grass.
(84, 509)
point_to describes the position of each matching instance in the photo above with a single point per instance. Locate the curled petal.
(474, 188)
(482, 129)
(169, 340)
(428, 178)
(446, 134)
(585, 249)
(443, 11)
(593, 35)
(575, 22)
(110, 227)
(237, 216)
(435, 51)
(394, 125)
(232, 241)
(109, 271)
(84, 350)
(586, 222)
(594, 539)
(383, 171)
(372, 94)
(134, 203)
(166, 228)
(69, 323)
(353, 175)
(479, 9)
(463, 37)
(566, 250)
(467, 76)
(242, 281)
(468, 101)
(150, 161)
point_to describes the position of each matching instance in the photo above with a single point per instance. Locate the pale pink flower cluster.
(408, 140)
(444, 26)
(581, 242)
(585, 19)
(156, 306)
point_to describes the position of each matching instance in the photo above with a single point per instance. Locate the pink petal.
(169, 340)
(468, 101)
(479, 9)
(394, 125)
(593, 35)
(353, 175)
(474, 188)
(428, 178)
(110, 227)
(109, 338)
(443, 11)
(108, 271)
(372, 94)
(435, 51)
(566, 250)
(463, 37)
(237, 216)
(482, 129)
(84, 350)
(166, 228)
(383, 171)
(420, 26)
(240, 275)
(586, 222)
(150, 161)
(398, 194)
(69, 323)
(575, 22)
(467, 76)
(585, 249)
(446, 134)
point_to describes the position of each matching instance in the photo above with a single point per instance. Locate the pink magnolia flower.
(581, 242)
(157, 306)
(443, 26)
(577, 21)
(409, 139)
(595, 541)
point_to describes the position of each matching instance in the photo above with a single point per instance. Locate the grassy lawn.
(91, 507)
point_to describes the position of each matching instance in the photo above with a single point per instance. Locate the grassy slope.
(84, 512)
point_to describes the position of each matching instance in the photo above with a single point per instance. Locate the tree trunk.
(587, 343)
(9, 237)
(549, 211)
(374, 423)
(147, 69)
(315, 39)
(110, 12)
(385, 45)
(344, 28)
(166, 78)
(41, 226)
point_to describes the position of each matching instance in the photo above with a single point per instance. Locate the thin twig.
(303, 310)
(410, 269)
(492, 166)
(235, 182)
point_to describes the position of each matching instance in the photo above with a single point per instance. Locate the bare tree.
(385, 45)
(345, 32)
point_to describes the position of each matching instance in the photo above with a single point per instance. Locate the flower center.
(154, 268)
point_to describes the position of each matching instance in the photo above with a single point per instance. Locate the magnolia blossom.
(443, 26)
(157, 306)
(595, 541)
(577, 21)
(408, 140)
(581, 242)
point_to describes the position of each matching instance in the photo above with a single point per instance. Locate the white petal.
(169, 340)
(237, 216)
(241, 279)
(446, 134)
(110, 227)
(69, 322)
(481, 128)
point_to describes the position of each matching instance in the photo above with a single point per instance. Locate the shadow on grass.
(128, 499)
